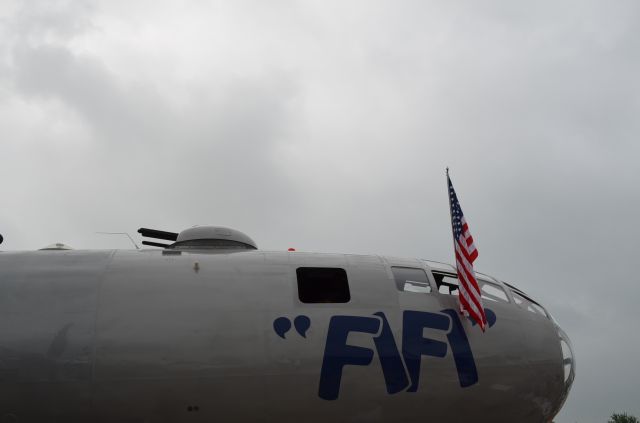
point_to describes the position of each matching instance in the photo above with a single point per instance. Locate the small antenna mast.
(121, 233)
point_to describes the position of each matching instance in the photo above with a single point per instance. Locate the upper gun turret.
(201, 238)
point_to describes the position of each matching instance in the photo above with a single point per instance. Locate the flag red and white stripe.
(466, 253)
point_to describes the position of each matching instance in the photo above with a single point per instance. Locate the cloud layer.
(327, 126)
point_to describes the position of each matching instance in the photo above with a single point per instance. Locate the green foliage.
(623, 418)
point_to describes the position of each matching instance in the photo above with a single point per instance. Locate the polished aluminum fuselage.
(153, 336)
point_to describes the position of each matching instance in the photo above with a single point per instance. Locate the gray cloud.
(327, 127)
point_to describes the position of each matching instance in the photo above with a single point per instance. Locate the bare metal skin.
(162, 336)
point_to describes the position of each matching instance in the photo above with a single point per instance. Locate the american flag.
(466, 253)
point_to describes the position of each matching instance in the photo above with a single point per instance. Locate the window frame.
(531, 304)
(418, 268)
(483, 282)
(456, 287)
(452, 287)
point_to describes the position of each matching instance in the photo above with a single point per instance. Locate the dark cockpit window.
(410, 279)
(447, 283)
(322, 285)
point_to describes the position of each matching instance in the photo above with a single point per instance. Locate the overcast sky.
(327, 126)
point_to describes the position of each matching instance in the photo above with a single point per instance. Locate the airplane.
(208, 327)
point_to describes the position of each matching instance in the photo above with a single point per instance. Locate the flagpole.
(451, 215)
(451, 227)
(449, 197)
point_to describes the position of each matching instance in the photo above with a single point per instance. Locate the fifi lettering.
(400, 367)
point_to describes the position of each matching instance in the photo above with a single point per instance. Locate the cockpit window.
(410, 279)
(528, 305)
(447, 283)
(567, 359)
(323, 285)
(492, 292)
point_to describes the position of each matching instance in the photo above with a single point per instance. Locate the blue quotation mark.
(282, 325)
